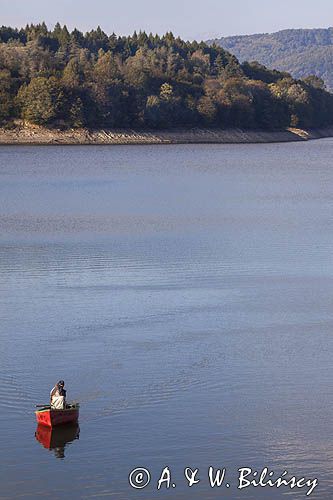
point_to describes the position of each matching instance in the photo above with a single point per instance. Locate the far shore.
(43, 136)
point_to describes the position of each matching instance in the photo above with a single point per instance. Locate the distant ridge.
(300, 52)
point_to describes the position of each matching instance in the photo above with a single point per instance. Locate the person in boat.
(58, 396)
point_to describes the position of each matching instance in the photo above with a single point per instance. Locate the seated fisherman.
(58, 396)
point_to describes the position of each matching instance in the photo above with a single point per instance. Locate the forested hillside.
(300, 52)
(63, 79)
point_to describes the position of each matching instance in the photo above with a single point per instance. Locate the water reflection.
(58, 438)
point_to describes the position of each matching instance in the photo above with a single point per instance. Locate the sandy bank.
(38, 135)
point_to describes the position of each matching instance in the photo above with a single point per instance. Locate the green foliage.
(40, 101)
(6, 100)
(58, 78)
(76, 113)
(207, 109)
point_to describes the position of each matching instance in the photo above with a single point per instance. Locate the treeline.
(70, 79)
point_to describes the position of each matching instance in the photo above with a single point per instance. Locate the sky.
(190, 19)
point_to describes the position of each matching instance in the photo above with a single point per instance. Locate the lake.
(185, 295)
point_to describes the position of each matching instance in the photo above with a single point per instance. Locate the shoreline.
(43, 136)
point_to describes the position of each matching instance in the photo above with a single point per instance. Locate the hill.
(57, 78)
(301, 52)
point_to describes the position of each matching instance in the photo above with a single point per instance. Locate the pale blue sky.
(199, 19)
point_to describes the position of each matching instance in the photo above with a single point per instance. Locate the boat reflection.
(57, 439)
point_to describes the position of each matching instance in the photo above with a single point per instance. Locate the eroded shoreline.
(44, 136)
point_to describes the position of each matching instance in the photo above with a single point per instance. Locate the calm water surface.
(185, 294)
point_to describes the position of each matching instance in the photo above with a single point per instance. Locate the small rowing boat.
(51, 418)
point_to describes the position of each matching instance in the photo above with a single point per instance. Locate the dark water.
(184, 293)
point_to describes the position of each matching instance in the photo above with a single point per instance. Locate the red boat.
(51, 418)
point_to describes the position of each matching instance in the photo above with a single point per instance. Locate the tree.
(207, 110)
(6, 100)
(137, 70)
(200, 63)
(315, 82)
(77, 38)
(107, 91)
(106, 70)
(61, 34)
(153, 111)
(73, 75)
(166, 92)
(298, 98)
(40, 101)
(76, 113)
(96, 40)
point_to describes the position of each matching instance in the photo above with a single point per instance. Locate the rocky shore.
(39, 135)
